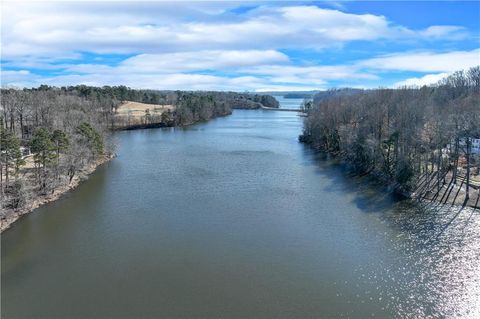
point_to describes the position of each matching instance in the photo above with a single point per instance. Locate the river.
(235, 219)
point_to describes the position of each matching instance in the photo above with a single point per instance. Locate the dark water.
(235, 219)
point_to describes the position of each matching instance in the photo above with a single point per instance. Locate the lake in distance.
(234, 218)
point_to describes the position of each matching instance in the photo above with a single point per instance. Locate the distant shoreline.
(12, 215)
(132, 115)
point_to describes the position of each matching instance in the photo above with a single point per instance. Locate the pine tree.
(43, 151)
(11, 156)
(93, 138)
(60, 141)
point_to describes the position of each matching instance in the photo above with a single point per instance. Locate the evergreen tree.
(43, 151)
(92, 137)
(60, 141)
(42, 147)
(11, 155)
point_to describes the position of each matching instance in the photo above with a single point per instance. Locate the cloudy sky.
(231, 45)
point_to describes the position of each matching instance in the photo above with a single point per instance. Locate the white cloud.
(428, 79)
(216, 60)
(267, 70)
(441, 31)
(249, 70)
(425, 61)
(49, 29)
(172, 43)
(204, 60)
(167, 81)
(16, 78)
(325, 72)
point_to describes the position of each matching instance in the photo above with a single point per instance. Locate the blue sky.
(234, 45)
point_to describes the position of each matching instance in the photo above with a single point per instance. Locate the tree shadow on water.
(425, 219)
(369, 195)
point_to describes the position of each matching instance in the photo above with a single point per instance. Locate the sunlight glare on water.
(441, 271)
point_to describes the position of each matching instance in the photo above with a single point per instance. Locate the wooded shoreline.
(13, 215)
(53, 138)
(424, 142)
(449, 194)
(415, 150)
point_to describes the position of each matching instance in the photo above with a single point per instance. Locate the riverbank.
(136, 116)
(160, 124)
(128, 116)
(12, 215)
(447, 192)
(178, 212)
(425, 188)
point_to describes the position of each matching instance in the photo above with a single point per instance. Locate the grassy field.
(136, 113)
(139, 109)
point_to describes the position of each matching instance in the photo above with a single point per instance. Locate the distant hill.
(300, 95)
(292, 94)
(323, 95)
(315, 95)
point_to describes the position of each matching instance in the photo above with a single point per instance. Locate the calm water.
(288, 103)
(234, 218)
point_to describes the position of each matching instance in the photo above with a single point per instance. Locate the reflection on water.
(442, 250)
(234, 218)
(438, 249)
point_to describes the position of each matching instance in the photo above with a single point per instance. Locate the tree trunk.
(455, 162)
(439, 161)
(6, 170)
(1, 182)
(21, 125)
(467, 191)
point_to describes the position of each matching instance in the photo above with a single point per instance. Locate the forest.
(192, 107)
(48, 139)
(51, 136)
(422, 141)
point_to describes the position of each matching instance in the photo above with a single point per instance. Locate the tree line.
(192, 107)
(405, 136)
(49, 135)
(117, 94)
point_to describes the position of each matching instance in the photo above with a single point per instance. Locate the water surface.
(287, 103)
(235, 219)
